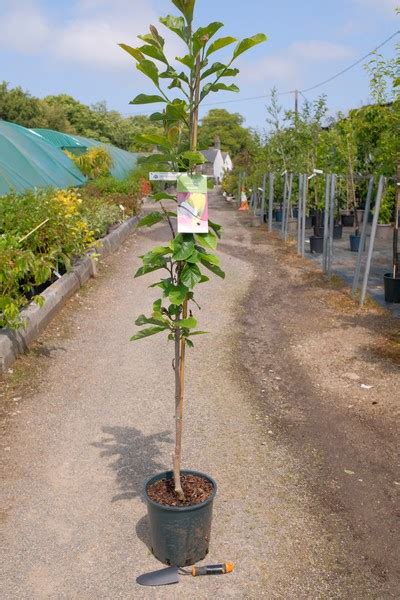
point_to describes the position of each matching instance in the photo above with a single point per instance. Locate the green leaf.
(143, 320)
(151, 219)
(209, 258)
(204, 34)
(186, 7)
(157, 306)
(147, 99)
(220, 43)
(135, 52)
(215, 68)
(182, 246)
(193, 258)
(189, 323)
(149, 268)
(193, 157)
(186, 60)
(155, 253)
(207, 239)
(147, 67)
(248, 43)
(156, 140)
(153, 52)
(153, 38)
(214, 269)
(217, 229)
(177, 25)
(216, 87)
(177, 294)
(147, 332)
(189, 343)
(158, 196)
(190, 275)
(192, 333)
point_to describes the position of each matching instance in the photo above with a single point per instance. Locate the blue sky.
(52, 46)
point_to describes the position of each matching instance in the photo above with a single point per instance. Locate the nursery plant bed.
(13, 343)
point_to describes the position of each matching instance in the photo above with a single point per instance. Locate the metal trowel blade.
(160, 577)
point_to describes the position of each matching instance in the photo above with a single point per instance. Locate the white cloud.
(89, 38)
(289, 65)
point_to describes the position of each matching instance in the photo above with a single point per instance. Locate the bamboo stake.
(396, 226)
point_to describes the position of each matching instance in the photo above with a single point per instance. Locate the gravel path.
(98, 421)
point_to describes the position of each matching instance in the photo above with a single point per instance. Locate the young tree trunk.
(180, 345)
(396, 261)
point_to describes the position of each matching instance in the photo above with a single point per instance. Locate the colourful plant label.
(192, 204)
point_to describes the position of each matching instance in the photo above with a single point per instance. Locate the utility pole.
(296, 102)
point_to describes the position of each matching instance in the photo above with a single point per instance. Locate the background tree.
(235, 138)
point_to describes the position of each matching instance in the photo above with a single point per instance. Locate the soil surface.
(196, 490)
(292, 406)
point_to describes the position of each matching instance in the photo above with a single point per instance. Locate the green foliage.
(229, 128)
(386, 213)
(177, 150)
(95, 162)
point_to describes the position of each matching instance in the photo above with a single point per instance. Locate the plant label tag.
(161, 176)
(192, 204)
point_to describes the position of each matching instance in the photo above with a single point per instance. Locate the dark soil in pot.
(180, 533)
(392, 288)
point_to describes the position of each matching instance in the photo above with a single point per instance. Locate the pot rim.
(166, 474)
(390, 276)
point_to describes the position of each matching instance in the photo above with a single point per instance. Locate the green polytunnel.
(28, 161)
(123, 162)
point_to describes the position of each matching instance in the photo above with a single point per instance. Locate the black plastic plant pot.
(180, 535)
(355, 242)
(316, 244)
(295, 212)
(392, 288)
(337, 232)
(309, 222)
(279, 215)
(347, 220)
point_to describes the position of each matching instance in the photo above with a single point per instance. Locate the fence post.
(326, 222)
(271, 200)
(363, 238)
(263, 198)
(304, 207)
(285, 186)
(372, 238)
(300, 215)
(331, 225)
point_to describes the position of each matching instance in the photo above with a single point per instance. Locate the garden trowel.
(171, 574)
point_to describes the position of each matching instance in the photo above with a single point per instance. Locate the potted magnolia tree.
(180, 501)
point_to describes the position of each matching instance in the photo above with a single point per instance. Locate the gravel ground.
(87, 416)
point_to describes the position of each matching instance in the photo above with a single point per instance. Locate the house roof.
(210, 154)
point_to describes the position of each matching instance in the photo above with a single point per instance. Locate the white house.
(217, 162)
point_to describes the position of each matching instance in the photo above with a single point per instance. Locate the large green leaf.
(143, 320)
(193, 157)
(177, 25)
(217, 229)
(215, 67)
(158, 196)
(209, 258)
(204, 34)
(153, 52)
(186, 60)
(248, 43)
(186, 7)
(155, 253)
(151, 138)
(220, 43)
(135, 52)
(216, 87)
(207, 239)
(182, 246)
(147, 332)
(189, 323)
(149, 268)
(177, 294)
(190, 275)
(153, 38)
(151, 219)
(147, 99)
(214, 269)
(147, 67)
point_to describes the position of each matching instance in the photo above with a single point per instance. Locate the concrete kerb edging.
(13, 343)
